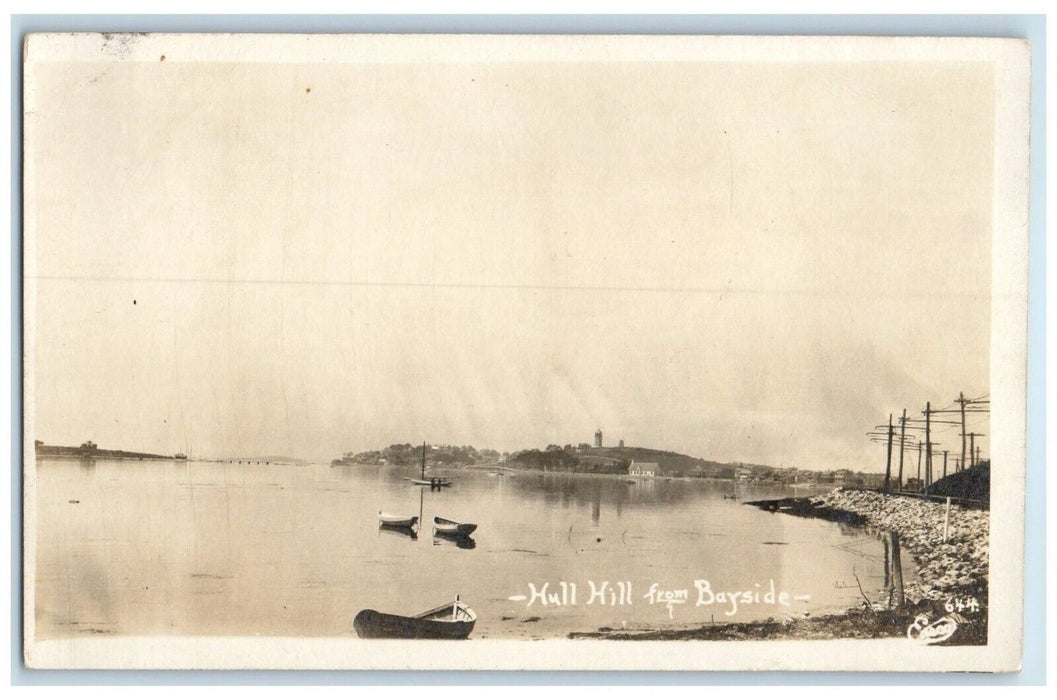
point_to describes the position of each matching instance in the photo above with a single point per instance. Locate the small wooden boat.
(448, 621)
(435, 482)
(390, 520)
(443, 526)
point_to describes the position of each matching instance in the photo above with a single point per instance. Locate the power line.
(933, 426)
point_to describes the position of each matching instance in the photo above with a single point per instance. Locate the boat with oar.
(443, 526)
(448, 621)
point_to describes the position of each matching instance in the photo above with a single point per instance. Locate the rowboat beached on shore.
(448, 621)
(443, 526)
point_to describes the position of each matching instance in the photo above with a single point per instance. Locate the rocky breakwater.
(950, 595)
(947, 568)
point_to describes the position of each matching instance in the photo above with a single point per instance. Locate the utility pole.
(902, 440)
(888, 462)
(928, 446)
(961, 401)
(972, 450)
(919, 466)
(945, 464)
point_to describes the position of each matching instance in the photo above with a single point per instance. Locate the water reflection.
(460, 541)
(579, 489)
(398, 531)
(205, 548)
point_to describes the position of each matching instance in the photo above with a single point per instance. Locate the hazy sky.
(753, 262)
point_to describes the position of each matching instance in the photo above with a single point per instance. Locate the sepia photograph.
(524, 352)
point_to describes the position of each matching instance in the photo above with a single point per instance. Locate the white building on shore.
(642, 469)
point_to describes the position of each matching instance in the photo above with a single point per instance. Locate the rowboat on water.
(448, 621)
(435, 481)
(443, 526)
(390, 520)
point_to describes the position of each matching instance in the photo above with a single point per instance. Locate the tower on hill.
(598, 438)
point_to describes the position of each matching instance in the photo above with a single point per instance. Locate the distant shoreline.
(621, 461)
(501, 467)
(93, 452)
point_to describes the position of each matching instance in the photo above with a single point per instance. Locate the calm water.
(206, 548)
